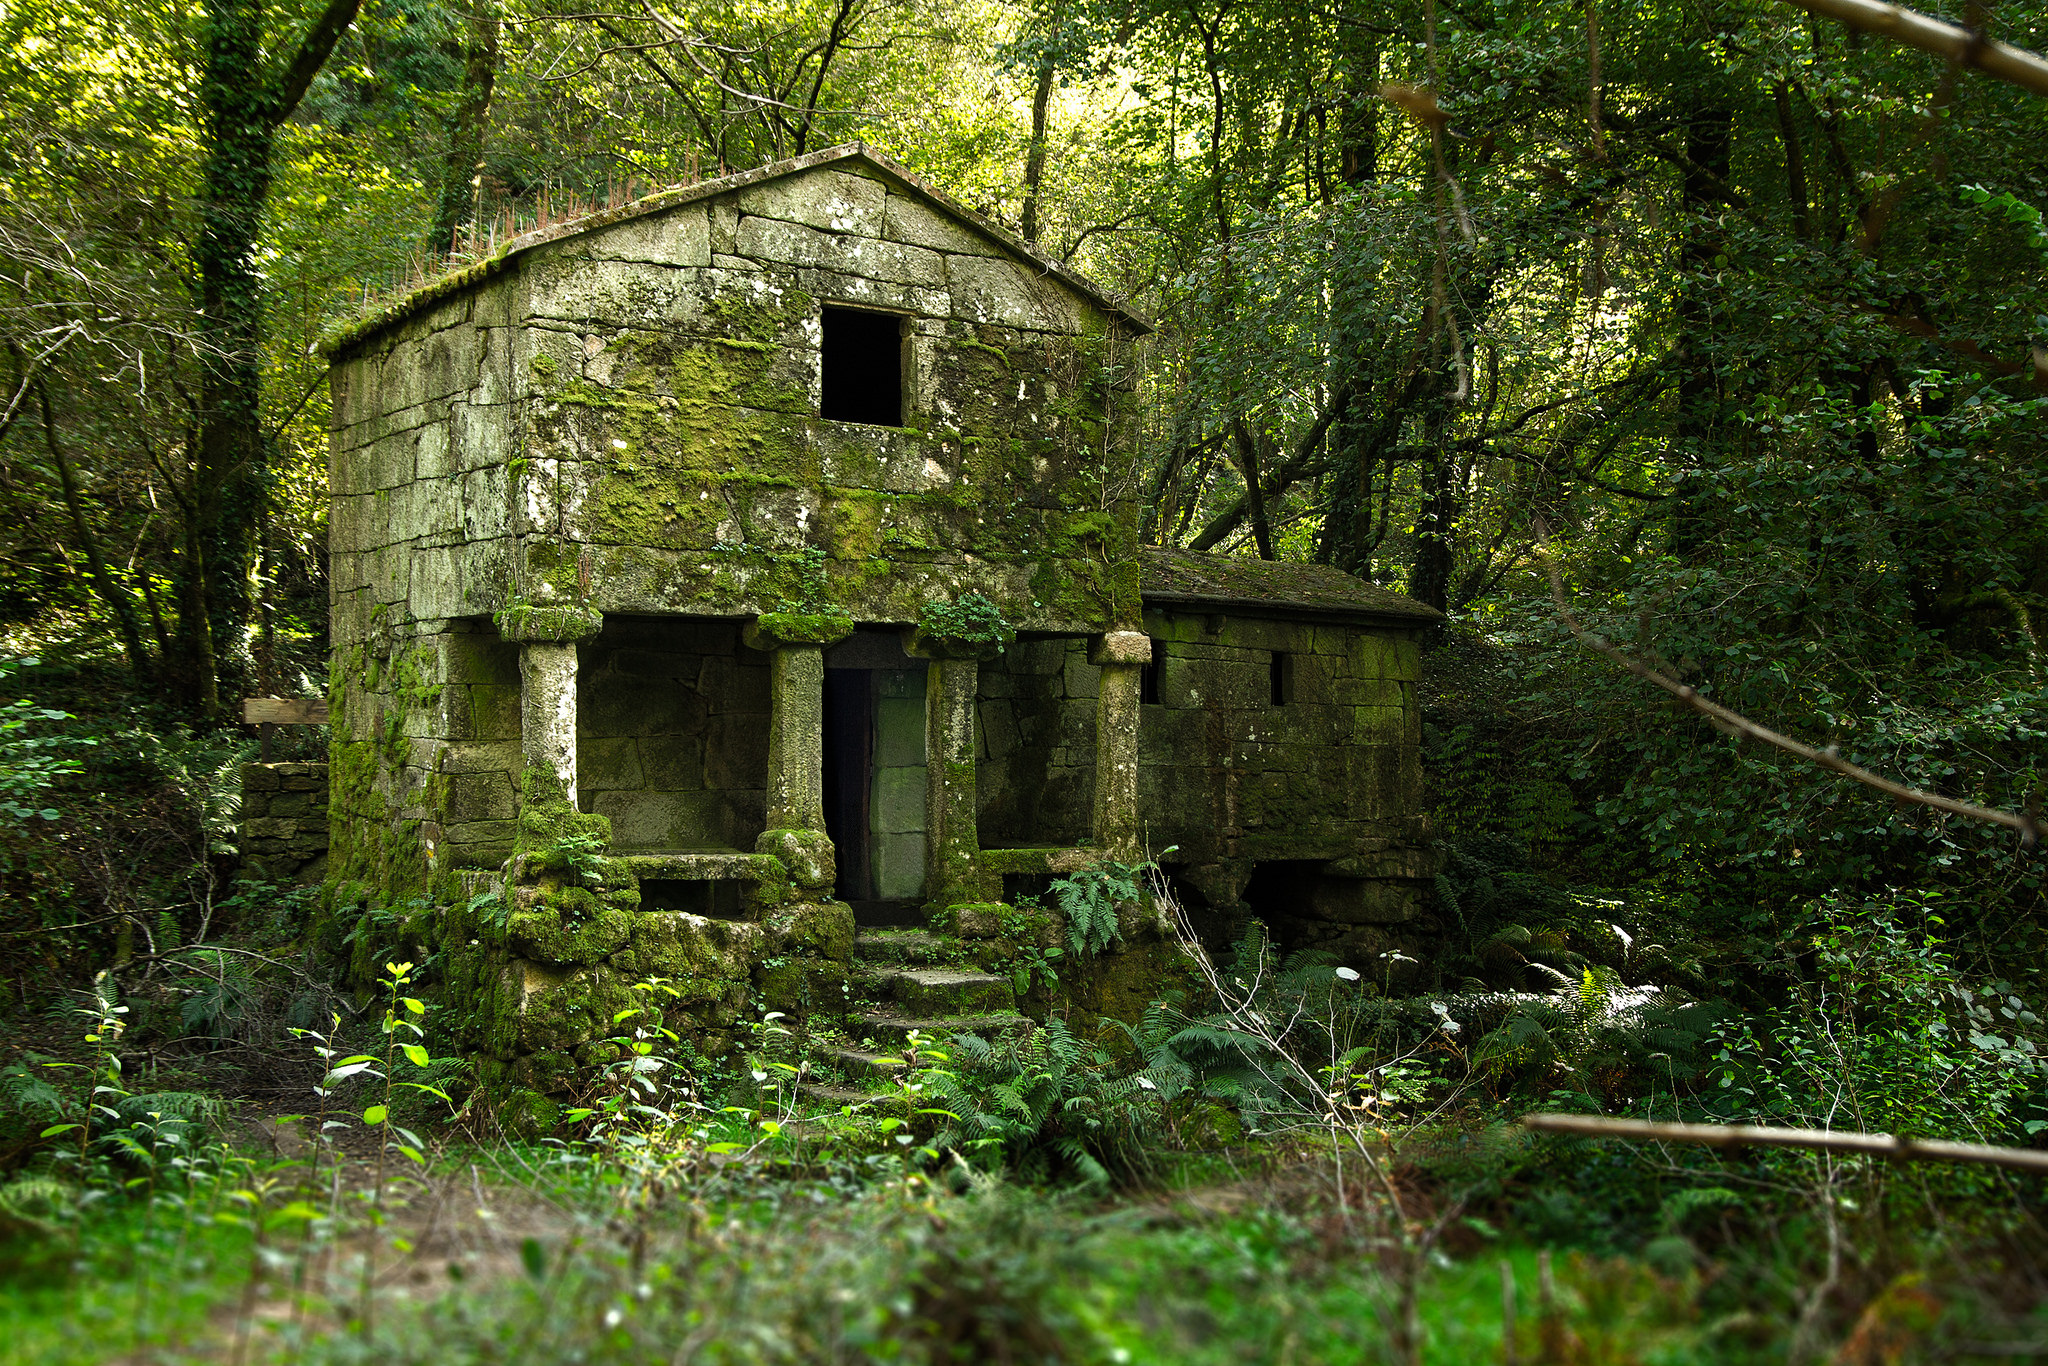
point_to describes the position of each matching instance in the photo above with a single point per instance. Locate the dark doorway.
(874, 776)
(863, 367)
(849, 777)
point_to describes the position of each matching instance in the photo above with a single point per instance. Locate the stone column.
(796, 738)
(547, 638)
(795, 646)
(1122, 657)
(952, 841)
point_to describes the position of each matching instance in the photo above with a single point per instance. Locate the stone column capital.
(919, 643)
(781, 630)
(530, 624)
(1120, 647)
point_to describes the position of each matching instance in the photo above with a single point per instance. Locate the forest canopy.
(1704, 339)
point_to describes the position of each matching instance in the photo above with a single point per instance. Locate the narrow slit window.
(1282, 671)
(1148, 680)
(863, 367)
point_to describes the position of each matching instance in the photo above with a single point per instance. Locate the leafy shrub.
(1888, 1036)
(1046, 1105)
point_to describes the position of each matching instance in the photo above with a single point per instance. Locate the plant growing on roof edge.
(969, 619)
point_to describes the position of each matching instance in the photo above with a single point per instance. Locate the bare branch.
(2015, 65)
(1821, 1140)
(2026, 822)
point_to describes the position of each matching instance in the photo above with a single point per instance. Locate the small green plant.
(969, 619)
(31, 764)
(580, 854)
(1089, 900)
(1036, 965)
(1046, 1105)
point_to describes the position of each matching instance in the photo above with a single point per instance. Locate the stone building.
(755, 565)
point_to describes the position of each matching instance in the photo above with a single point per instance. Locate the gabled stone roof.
(1171, 578)
(894, 172)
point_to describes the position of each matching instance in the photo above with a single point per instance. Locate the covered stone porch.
(847, 753)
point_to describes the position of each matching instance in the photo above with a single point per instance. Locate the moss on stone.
(567, 928)
(823, 928)
(805, 628)
(531, 621)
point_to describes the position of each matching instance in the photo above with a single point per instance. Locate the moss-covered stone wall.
(672, 734)
(1036, 729)
(1306, 810)
(424, 762)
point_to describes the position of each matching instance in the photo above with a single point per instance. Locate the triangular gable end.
(952, 218)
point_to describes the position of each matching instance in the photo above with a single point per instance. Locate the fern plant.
(1050, 1104)
(1089, 899)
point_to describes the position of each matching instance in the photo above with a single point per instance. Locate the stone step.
(894, 1030)
(944, 991)
(837, 1095)
(859, 1062)
(898, 946)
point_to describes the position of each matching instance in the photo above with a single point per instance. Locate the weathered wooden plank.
(284, 711)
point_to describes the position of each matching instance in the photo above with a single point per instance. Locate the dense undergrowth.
(212, 1151)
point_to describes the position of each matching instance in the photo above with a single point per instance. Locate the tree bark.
(243, 104)
(1034, 160)
(462, 171)
(110, 593)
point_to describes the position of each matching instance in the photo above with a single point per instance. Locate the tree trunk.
(115, 598)
(1436, 522)
(1709, 147)
(1346, 539)
(233, 472)
(243, 101)
(462, 171)
(1034, 160)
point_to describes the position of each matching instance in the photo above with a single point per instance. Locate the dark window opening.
(712, 898)
(1282, 678)
(1148, 680)
(863, 367)
(1033, 886)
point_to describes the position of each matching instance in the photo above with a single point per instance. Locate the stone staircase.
(909, 984)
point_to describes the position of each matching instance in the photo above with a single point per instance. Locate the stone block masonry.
(594, 543)
(282, 831)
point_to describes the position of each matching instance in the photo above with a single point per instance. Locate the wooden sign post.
(268, 713)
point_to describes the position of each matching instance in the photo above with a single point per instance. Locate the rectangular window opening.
(1148, 680)
(713, 898)
(1282, 678)
(863, 367)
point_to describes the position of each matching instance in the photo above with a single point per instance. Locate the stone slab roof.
(890, 170)
(1228, 583)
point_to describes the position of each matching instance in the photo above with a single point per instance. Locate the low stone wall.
(283, 829)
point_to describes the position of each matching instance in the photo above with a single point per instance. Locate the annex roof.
(894, 172)
(1176, 578)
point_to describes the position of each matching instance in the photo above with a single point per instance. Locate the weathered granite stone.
(594, 526)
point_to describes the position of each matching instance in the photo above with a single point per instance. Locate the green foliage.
(1601, 1039)
(1044, 1106)
(969, 619)
(579, 854)
(31, 764)
(1089, 899)
(1888, 1035)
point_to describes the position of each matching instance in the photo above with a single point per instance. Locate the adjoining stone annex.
(743, 587)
